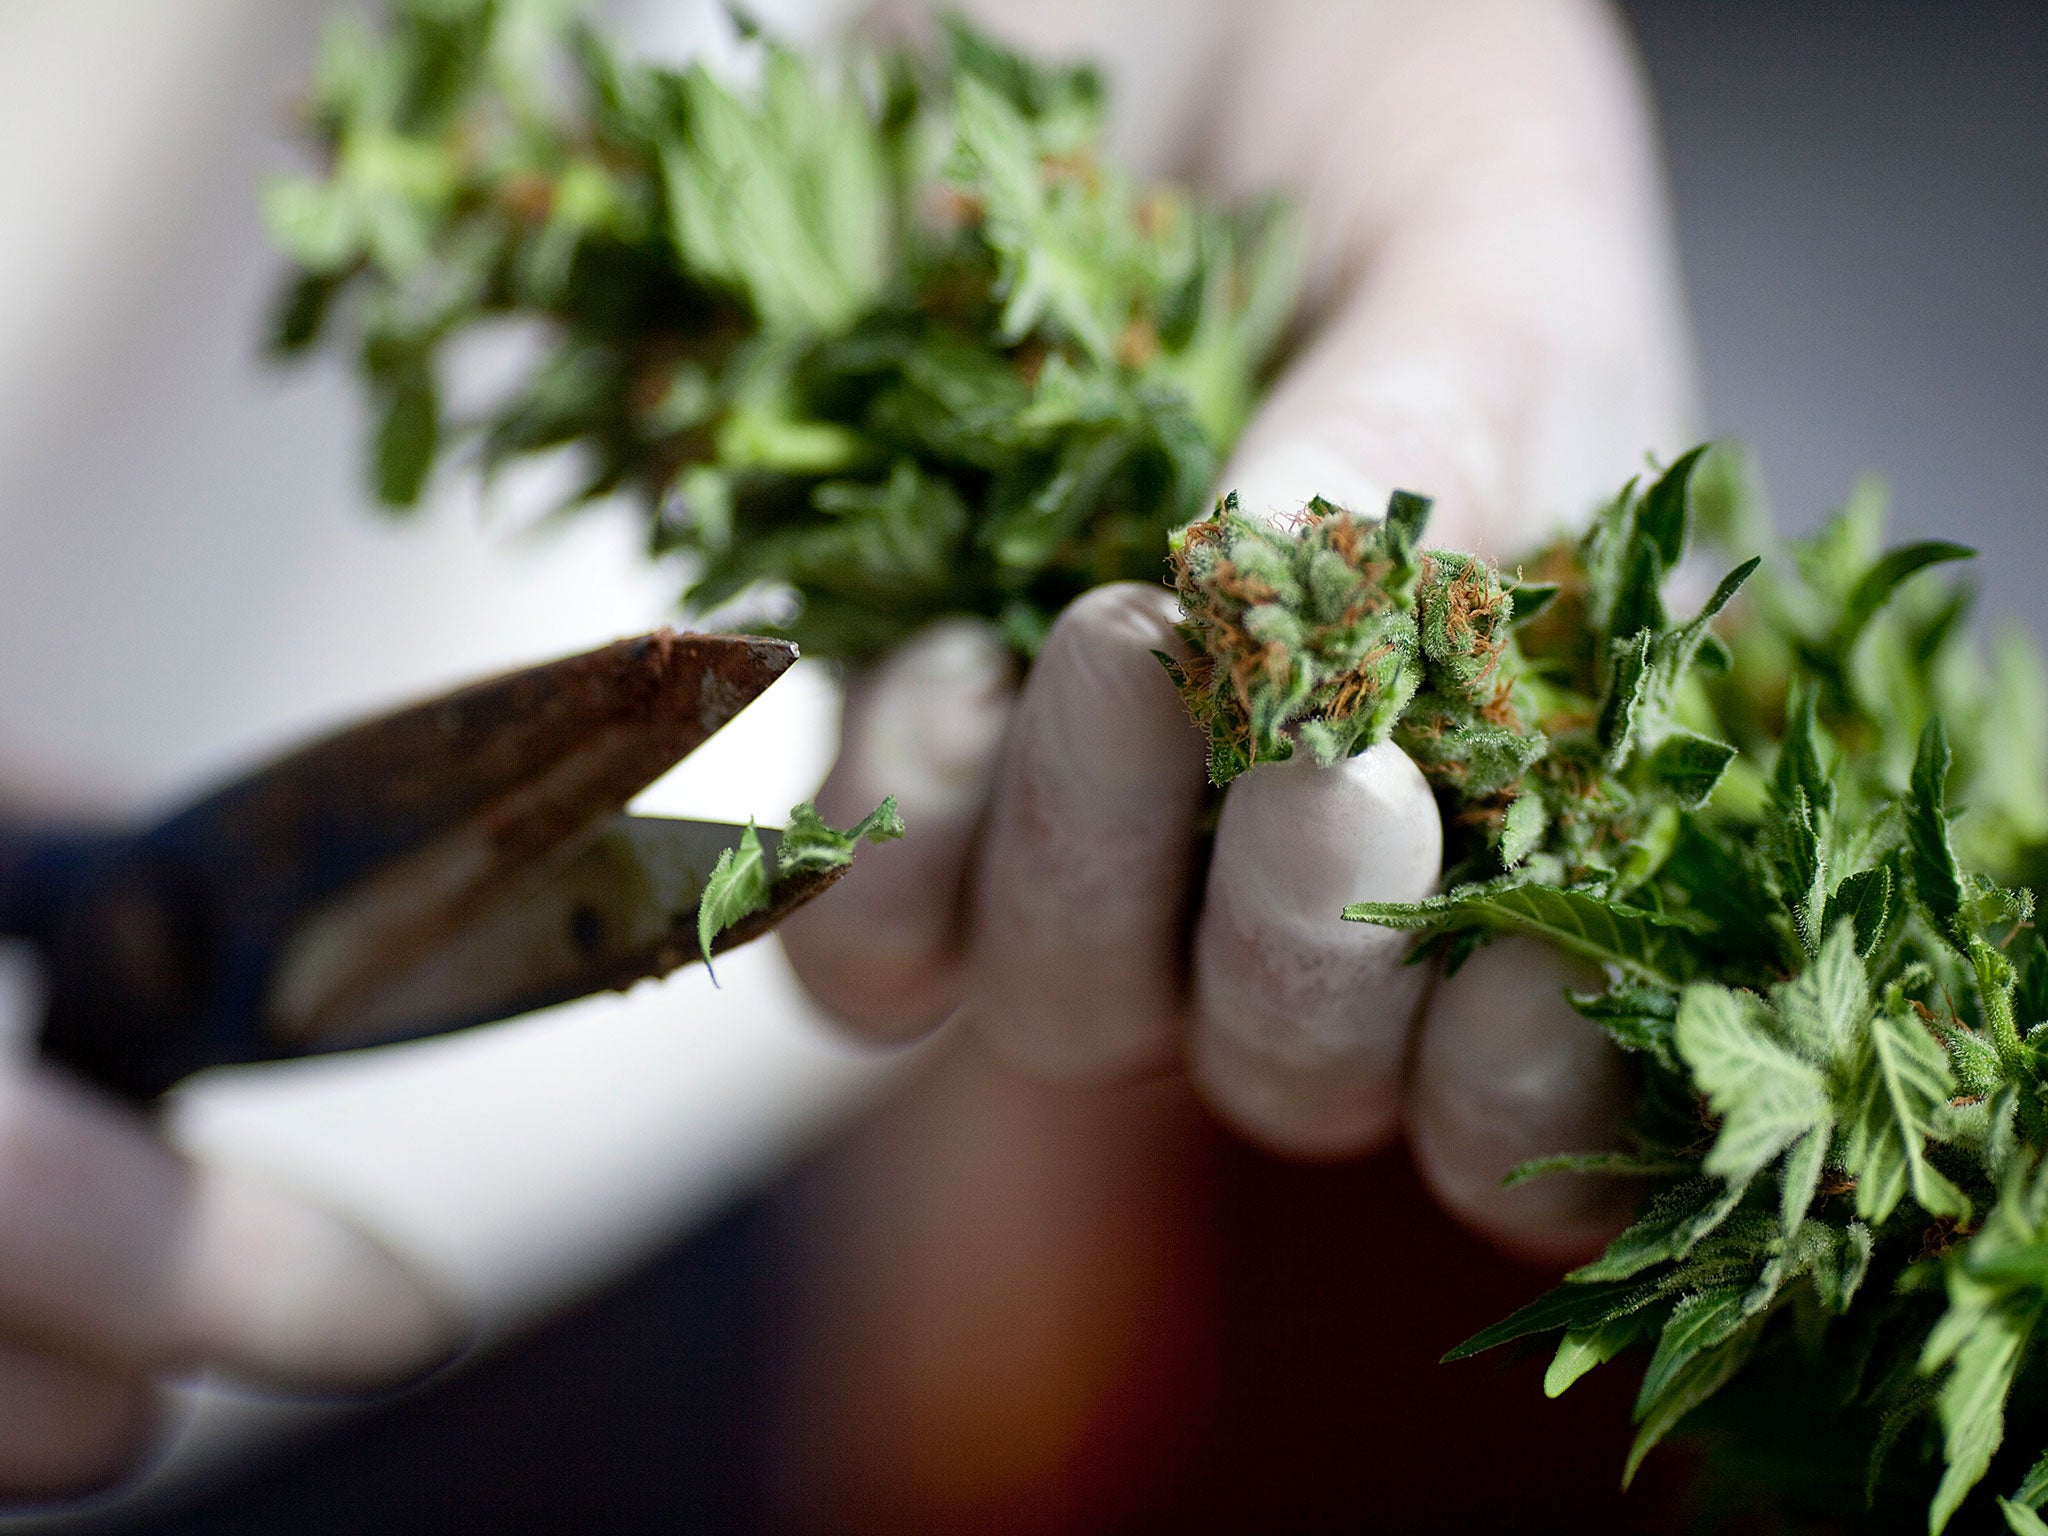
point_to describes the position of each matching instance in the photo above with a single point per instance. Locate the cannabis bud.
(1333, 632)
(1304, 633)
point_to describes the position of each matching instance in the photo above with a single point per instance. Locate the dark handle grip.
(125, 1009)
(41, 866)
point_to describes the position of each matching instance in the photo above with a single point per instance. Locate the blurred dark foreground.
(1071, 1312)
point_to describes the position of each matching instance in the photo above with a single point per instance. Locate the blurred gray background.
(1862, 197)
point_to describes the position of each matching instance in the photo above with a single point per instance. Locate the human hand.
(1495, 323)
(125, 1261)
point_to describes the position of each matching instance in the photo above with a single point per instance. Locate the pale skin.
(1495, 322)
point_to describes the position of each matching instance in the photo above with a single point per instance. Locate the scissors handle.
(40, 865)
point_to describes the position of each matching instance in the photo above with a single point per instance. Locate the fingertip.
(1312, 1108)
(1302, 1019)
(70, 1429)
(279, 1291)
(126, 1255)
(1507, 1072)
(1080, 900)
(881, 950)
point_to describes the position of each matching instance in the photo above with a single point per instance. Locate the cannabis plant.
(867, 344)
(882, 342)
(1833, 990)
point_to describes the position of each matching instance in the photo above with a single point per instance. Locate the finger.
(1501, 322)
(1507, 1072)
(1080, 899)
(883, 948)
(121, 1253)
(68, 1428)
(1302, 1019)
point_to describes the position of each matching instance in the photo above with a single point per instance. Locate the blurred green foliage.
(871, 344)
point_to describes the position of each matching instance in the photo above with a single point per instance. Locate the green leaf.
(1935, 873)
(1638, 605)
(1583, 1348)
(1407, 515)
(408, 432)
(1864, 900)
(1522, 829)
(1878, 583)
(1616, 1164)
(1724, 593)
(1839, 1278)
(1651, 945)
(744, 879)
(1801, 1177)
(2008, 780)
(1636, 1018)
(1632, 683)
(1666, 517)
(1698, 1323)
(1902, 1400)
(1531, 598)
(1997, 1294)
(1983, 1350)
(809, 844)
(1798, 821)
(301, 313)
(314, 224)
(739, 887)
(2033, 1490)
(1569, 1306)
(1902, 1084)
(2021, 1519)
(784, 199)
(1767, 1094)
(1688, 767)
(1825, 1008)
(1799, 766)
(1672, 1223)
(1689, 1370)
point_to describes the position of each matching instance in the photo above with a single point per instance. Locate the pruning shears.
(460, 860)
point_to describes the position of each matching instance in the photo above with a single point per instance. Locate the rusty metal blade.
(465, 794)
(519, 763)
(619, 908)
(368, 850)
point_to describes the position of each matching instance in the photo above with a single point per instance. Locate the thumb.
(1302, 1019)
(1505, 334)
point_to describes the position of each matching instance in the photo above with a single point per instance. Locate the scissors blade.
(393, 835)
(618, 908)
(508, 768)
